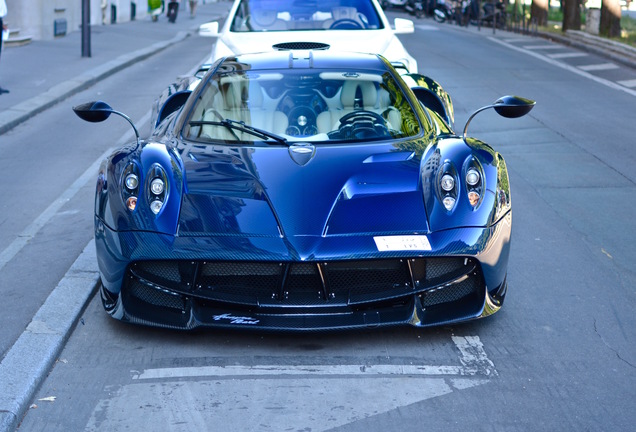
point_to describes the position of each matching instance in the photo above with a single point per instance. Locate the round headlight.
(449, 203)
(472, 177)
(473, 198)
(155, 206)
(131, 203)
(157, 186)
(131, 182)
(448, 182)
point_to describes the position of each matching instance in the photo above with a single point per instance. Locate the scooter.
(491, 14)
(442, 11)
(415, 7)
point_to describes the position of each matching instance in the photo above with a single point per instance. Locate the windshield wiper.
(241, 126)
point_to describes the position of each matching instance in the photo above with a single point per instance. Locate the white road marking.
(598, 67)
(572, 69)
(278, 398)
(542, 47)
(473, 361)
(567, 55)
(628, 83)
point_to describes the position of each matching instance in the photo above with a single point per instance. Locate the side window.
(240, 19)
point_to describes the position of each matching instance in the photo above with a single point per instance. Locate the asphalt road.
(561, 355)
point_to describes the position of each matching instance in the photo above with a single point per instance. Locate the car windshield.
(291, 105)
(289, 15)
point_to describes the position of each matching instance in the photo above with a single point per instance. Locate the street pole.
(86, 28)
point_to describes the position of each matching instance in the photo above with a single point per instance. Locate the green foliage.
(628, 26)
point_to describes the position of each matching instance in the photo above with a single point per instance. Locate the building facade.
(48, 19)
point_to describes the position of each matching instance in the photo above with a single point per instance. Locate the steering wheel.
(345, 23)
(363, 124)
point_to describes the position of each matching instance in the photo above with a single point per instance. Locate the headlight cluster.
(450, 188)
(156, 187)
(130, 189)
(473, 174)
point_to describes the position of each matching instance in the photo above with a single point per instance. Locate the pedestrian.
(3, 27)
(193, 7)
(173, 10)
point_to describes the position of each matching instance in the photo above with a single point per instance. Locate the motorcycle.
(415, 7)
(442, 11)
(493, 14)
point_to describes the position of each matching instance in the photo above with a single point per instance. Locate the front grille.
(303, 284)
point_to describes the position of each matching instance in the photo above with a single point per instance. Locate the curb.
(33, 355)
(612, 50)
(23, 111)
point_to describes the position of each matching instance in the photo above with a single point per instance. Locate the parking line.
(567, 55)
(628, 83)
(572, 69)
(473, 361)
(599, 67)
(542, 47)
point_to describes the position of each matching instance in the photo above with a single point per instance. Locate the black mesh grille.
(155, 296)
(451, 293)
(271, 284)
(286, 46)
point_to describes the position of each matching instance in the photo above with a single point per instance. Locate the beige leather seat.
(369, 100)
(243, 101)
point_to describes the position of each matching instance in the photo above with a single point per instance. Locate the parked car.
(303, 190)
(349, 25)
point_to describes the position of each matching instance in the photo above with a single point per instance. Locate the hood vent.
(287, 46)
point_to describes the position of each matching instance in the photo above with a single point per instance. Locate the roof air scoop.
(288, 46)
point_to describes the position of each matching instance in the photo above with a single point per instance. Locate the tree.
(610, 25)
(539, 12)
(571, 15)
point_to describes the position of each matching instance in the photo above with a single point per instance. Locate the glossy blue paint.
(253, 202)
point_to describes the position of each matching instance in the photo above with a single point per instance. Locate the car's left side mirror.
(98, 111)
(210, 29)
(403, 26)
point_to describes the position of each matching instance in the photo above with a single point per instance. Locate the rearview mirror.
(403, 26)
(98, 111)
(506, 106)
(93, 112)
(210, 29)
(513, 106)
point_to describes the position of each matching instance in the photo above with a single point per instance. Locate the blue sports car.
(303, 189)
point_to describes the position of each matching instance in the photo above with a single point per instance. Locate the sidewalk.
(42, 73)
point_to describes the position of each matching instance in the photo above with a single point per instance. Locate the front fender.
(458, 154)
(112, 195)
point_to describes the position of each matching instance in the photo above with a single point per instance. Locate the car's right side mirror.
(506, 106)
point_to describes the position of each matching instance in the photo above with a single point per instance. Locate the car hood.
(341, 190)
(377, 41)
